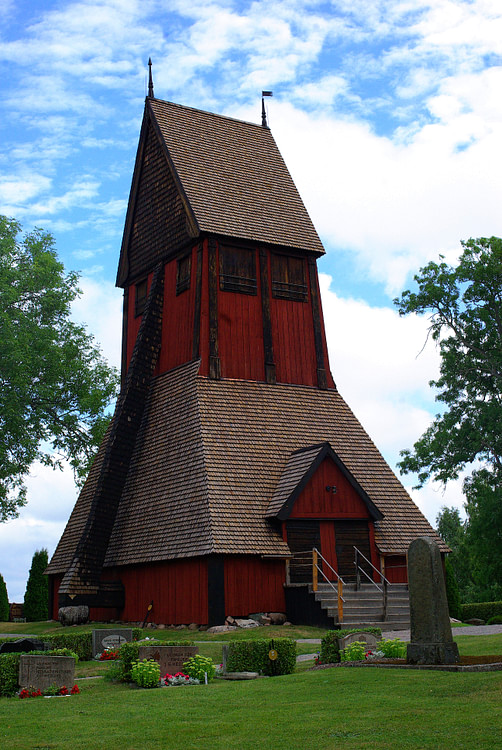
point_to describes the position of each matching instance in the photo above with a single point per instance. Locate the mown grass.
(342, 709)
(346, 709)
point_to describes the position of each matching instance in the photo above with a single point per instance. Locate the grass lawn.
(332, 708)
(339, 709)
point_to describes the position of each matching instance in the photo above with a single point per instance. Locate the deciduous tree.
(55, 386)
(464, 304)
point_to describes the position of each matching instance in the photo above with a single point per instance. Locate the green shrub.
(481, 610)
(355, 651)
(129, 653)
(80, 643)
(9, 672)
(392, 648)
(4, 601)
(497, 620)
(253, 656)
(146, 673)
(452, 592)
(36, 598)
(330, 653)
(9, 668)
(198, 666)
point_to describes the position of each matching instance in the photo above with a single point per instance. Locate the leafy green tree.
(454, 532)
(4, 601)
(55, 386)
(36, 597)
(464, 304)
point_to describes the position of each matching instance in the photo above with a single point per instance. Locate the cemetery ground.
(340, 708)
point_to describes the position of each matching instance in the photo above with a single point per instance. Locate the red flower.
(24, 693)
(74, 690)
(63, 690)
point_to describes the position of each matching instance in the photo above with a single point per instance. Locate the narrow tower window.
(141, 294)
(183, 270)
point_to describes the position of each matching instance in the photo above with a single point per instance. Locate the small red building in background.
(231, 450)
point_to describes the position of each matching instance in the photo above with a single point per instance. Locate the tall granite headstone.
(431, 637)
(109, 638)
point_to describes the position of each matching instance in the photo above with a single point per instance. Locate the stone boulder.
(277, 618)
(73, 615)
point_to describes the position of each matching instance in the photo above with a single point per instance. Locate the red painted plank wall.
(316, 502)
(293, 339)
(177, 319)
(204, 313)
(178, 589)
(254, 585)
(240, 335)
(395, 568)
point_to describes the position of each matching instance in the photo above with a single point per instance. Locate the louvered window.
(288, 278)
(141, 294)
(238, 270)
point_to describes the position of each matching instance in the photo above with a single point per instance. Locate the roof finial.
(264, 123)
(150, 79)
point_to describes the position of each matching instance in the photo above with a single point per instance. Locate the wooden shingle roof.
(208, 460)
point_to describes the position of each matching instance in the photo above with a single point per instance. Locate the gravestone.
(23, 645)
(170, 658)
(431, 639)
(40, 671)
(368, 638)
(109, 638)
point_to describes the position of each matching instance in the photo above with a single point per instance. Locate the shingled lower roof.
(234, 178)
(208, 459)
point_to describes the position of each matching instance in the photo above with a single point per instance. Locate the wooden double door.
(303, 536)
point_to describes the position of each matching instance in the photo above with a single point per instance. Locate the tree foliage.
(4, 601)
(36, 597)
(464, 304)
(54, 384)
(465, 307)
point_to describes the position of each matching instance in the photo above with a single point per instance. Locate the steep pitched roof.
(300, 468)
(230, 176)
(208, 459)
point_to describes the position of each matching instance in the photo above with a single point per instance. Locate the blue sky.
(387, 112)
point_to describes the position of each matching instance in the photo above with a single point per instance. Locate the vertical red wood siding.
(177, 318)
(204, 313)
(254, 585)
(293, 340)
(315, 501)
(55, 582)
(396, 570)
(240, 334)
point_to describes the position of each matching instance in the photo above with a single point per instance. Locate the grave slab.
(368, 638)
(170, 658)
(40, 671)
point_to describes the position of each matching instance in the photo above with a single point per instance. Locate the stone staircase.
(365, 607)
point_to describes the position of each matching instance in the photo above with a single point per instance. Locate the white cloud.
(100, 309)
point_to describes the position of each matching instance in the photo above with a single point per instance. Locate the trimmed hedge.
(482, 611)
(252, 656)
(9, 668)
(330, 653)
(80, 643)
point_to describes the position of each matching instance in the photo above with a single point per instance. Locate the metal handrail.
(382, 577)
(340, 582)
(338, 578)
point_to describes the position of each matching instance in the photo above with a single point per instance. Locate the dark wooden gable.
(159, 220)
(300, 469)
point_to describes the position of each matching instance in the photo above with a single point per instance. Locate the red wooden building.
(231, 449)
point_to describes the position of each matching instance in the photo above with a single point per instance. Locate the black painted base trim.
(302, 608)
(216, 590)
